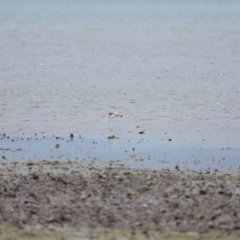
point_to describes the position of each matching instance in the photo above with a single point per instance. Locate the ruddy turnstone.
(114, 114)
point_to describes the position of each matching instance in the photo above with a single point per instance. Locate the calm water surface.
(170, 67)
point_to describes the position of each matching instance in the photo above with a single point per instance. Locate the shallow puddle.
(136, 153)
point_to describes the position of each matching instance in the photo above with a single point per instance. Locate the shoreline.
(139, 152)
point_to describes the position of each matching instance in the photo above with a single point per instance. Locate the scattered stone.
(35, 176)
(177, 168)
(112, 137)
(203, 191)
(29, 163)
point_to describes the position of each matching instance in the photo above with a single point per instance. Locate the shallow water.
(134, 153)
(168, 66)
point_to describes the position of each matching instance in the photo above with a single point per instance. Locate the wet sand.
(56, 195)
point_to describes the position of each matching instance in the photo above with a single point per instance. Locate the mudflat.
(46, 199)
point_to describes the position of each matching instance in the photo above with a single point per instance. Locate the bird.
(114, 114)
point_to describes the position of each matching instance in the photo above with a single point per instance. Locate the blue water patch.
(135, 153)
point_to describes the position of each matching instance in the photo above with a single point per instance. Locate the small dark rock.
(29, 164)
(35, 176)
(203, 191)
(112, 137)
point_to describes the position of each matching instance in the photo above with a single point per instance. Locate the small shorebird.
(114, 114)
